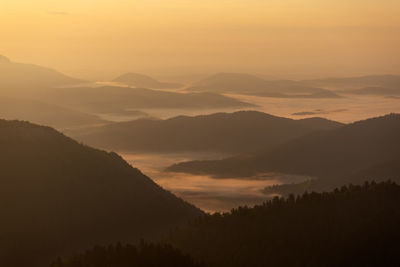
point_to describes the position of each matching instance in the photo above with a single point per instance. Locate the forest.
(355, 225)
(142, 255)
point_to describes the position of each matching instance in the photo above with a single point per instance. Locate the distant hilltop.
(4, 59)
(144, 81)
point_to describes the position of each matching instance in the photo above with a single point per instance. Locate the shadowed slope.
(339, 152)
(351, 226)
(58, 196)
(239, 132)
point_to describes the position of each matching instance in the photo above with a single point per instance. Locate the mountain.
(340, 152)
(388, 81)
(395, 91)
(28, 76)
(238, 83)
(238, 132)
(144, 81)
(113, 99)
(58, 196)
(12, 108)
(350, 226)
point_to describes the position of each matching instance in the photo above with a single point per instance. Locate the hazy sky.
(102, 38)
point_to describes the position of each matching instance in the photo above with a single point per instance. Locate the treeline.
(351, 226)
(142, 255)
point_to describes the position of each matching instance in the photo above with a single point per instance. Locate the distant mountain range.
(246, 84)
(28, 76)
(47, 85)
(388, 81)
(377, 91)
(39, 112)
(239, 132)
(346, 152)
(58, 196)
(144, 81)
(113, 99)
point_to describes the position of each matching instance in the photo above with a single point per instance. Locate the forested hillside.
(57, 196)
(351, 226)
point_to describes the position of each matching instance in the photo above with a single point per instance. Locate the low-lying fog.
(348, 109)
(205, 192)
(224, 194)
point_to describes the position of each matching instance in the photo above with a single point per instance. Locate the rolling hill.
(38, 112)
(377, 91)
(58, 196)
(238, 132)
(28, 76)
(113, 99)
(388, 81)
(246, 84)
(144, 81)
(341, 152)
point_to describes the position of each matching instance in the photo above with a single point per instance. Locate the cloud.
(58, 13)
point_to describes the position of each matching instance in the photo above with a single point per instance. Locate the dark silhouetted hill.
(238, 83)
(144, 81)
(58, 196)
(340, 152)
(351, 226)
(239, 132)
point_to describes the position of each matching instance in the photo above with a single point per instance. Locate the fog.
(347, 109)
(205, 192)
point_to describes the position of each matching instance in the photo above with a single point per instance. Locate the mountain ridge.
(242, 131)
(144, 81)
(338, 152)
(58, 196)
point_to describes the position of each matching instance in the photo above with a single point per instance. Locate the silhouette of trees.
(351, 226)
(143, 255)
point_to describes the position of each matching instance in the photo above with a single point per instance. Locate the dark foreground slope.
(351, 226)
(344, 152)
(239, 132)
(143, 255)
(57, 196)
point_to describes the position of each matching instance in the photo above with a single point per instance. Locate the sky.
(99, 39)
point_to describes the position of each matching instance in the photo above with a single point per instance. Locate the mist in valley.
(194, 134)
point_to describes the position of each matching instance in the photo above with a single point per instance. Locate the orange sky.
(99, 39)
